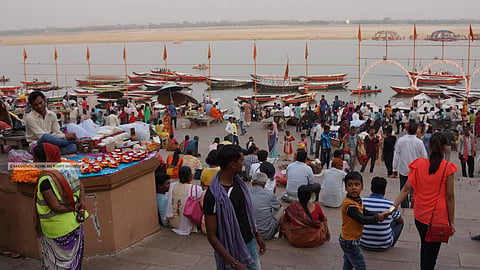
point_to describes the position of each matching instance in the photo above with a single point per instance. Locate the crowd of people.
(237, 190)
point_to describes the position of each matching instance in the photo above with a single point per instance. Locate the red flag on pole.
(285, 77)
(164, 52)
(359, 33)
(124, 54)
(414, 32)
(24, 54)
(306, 51)
(254, 51)
(55, 54)
(88, 54)
(209, 53)
(471, 33)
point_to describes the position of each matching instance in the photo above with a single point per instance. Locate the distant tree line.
(227, 23)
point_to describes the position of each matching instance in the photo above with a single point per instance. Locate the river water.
(234, 59)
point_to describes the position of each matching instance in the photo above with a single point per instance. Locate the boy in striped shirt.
(385, 234)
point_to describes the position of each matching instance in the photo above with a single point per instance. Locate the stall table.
(122, 207)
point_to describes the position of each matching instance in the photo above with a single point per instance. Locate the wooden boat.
(301, 99)
(162, 71)
(9, 90)
(265, 98)
(365, 91)
(279, 85)
(35, 82)
(87, 81)
(157, 84)
(326, 77)
(438, 74)
(228, 83)
(44, 88)
(438, 80)
(201, 66)
(426, 90)
(191, 77)
(323, 86)
(274, 77)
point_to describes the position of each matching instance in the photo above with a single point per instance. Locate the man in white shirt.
(355, 115)
(298, 173)
(412, 115)
(287, 111)
(407, 149)
(317, 134)
(42, 126)
(230, 129)
(112, 119)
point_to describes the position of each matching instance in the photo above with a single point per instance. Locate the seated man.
(266, 167)
(42, 126)
(162, 184)
(385, 234)
(298, 173)
(265, 205)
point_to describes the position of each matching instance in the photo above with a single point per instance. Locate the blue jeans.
(252, 248)
(242, 128)
(352, 254)
(67, 146)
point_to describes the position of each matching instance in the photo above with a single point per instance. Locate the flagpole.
(359, 43)
(255, 69)
(414, 66)
(209, 73)
(165, 60)
(471, 37)
(125, 62)
(306, 72)
(56, 71)
(89, 73)
(25, 68)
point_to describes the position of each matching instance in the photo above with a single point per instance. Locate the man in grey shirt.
(265, 205)
(298, 173)
(450, 141)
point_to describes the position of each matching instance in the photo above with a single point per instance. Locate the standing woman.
(434, 196)
(59, 201)
(389, 150)
(147, 111)
(288, 146)
(272, 142)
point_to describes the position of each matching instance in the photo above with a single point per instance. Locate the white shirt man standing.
(407, 149)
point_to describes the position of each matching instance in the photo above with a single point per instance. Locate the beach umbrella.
(356, 123)
(110, 94)
(169, 88)
(177, 98)
(400, 106)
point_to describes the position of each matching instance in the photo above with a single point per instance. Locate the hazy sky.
(18, 14)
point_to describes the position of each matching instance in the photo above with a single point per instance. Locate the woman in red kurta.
(433, 195)
(288, 145)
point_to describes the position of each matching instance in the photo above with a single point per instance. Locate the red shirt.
(133, 119)
(428, 191)
(371, 144)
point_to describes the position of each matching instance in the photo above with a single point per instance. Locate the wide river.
(234, 59)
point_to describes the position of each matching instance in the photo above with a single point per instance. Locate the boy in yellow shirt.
(354, 216)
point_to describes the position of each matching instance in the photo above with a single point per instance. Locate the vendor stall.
(121, 202)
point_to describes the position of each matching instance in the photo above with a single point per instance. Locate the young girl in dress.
(288, 146)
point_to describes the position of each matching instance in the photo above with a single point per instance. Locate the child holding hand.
(354, 216)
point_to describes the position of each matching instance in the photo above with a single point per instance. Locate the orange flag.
(285, 77)
(164, 52)
(306, 51)
(209, 53)
(55, 54)
(414, 32)
(359, 33)
(254, 51)
(124, 54)
(471, 33)
(24, 54)
(88, 54)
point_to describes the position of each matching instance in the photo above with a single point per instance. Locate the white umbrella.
(400, 106)
(356, 123)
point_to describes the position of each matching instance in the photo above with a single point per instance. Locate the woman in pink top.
(433, 194)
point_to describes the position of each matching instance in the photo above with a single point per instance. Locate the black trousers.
(428, 250)
(403, 181)
(388, 158)
(471, 165)
(325, 158)
(373, 158)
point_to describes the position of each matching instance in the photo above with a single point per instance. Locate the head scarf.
(337, 162)
(52, 152)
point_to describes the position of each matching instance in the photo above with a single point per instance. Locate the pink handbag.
(193, 210)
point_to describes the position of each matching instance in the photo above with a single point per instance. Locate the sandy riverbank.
(228, 33)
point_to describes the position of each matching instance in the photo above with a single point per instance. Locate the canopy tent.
(400, 106)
